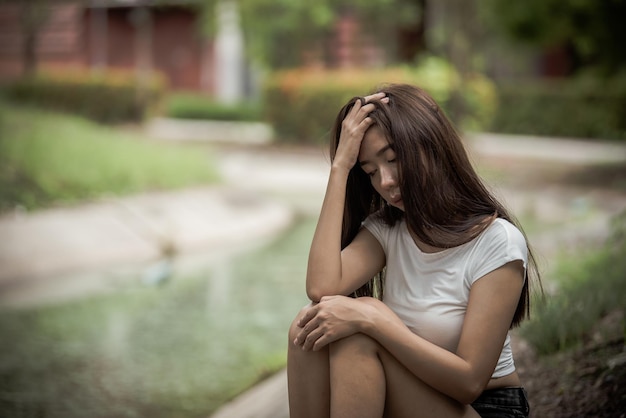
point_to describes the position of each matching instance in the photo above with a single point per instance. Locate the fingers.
(309, 333)
(314, 338)
(316, 323)
(311, 330)
(377, 96)
(362, 107)
(358, 120)
(308, 315)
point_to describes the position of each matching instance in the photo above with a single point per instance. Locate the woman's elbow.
(313, 295)
(470, 392)
(316, 293)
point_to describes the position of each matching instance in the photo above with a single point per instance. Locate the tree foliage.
(277, 32)
(593, 29)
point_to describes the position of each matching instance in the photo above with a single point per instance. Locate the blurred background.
(162, 163)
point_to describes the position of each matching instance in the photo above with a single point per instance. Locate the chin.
(399, 205)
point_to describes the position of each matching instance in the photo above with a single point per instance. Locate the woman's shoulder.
(381, 229)
(500, 243)
(505, 229)
(503, 234)
(377, 219)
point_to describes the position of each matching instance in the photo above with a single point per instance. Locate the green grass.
(181, 349)
(48, 158)
(589, 288)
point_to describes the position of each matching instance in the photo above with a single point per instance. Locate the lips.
(395, 200)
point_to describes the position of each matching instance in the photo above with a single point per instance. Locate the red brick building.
(161, 35)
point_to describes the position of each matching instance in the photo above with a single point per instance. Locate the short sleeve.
(378, 228)
(500, 244)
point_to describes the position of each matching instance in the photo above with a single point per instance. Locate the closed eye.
(390, 155)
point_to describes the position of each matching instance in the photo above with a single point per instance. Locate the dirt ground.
(585, 382)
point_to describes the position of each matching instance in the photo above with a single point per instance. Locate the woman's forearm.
(324, 269)
(324, 266)
(439, 368)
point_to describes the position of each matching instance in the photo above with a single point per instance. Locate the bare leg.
(308, 379)
(367, 381)
(357, 378)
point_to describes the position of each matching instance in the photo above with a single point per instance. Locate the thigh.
(408, 396)
(308, 381)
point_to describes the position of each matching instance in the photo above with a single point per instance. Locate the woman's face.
(378, 161)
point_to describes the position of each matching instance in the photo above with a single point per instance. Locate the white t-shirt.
(430, 291)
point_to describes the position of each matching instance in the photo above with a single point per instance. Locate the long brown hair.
(446, 203)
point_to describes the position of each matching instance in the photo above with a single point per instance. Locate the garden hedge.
(107, 97)
(198, 106)
(579, 107)
(302, 104)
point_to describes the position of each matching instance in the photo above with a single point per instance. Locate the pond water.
(178, 349)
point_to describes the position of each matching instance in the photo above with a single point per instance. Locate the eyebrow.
(378, 154)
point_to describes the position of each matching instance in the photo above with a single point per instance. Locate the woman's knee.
(356, 344)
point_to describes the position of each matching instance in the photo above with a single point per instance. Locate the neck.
(425, 248)
(473, 231)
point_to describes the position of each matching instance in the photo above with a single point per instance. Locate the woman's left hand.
(333, 318)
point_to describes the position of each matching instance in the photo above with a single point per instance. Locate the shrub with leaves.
(196, 106)
(302, 104)
(107, 97)
(585, 106)
(589, 289)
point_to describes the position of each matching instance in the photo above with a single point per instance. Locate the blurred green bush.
(107, 97)
(302, 104)
(590, 288)
(196, 106)
(584, 107)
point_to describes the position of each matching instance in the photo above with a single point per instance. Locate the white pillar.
(229, 60)
(141, 18)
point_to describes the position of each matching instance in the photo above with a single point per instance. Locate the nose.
(388, 178)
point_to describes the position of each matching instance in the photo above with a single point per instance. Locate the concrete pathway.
(61, 253)
(558, 150)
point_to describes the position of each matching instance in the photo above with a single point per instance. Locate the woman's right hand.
(353, 129)
(333, 318)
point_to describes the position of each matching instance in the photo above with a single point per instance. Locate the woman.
(404, 202)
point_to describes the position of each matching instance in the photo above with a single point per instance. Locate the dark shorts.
(502, 403)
